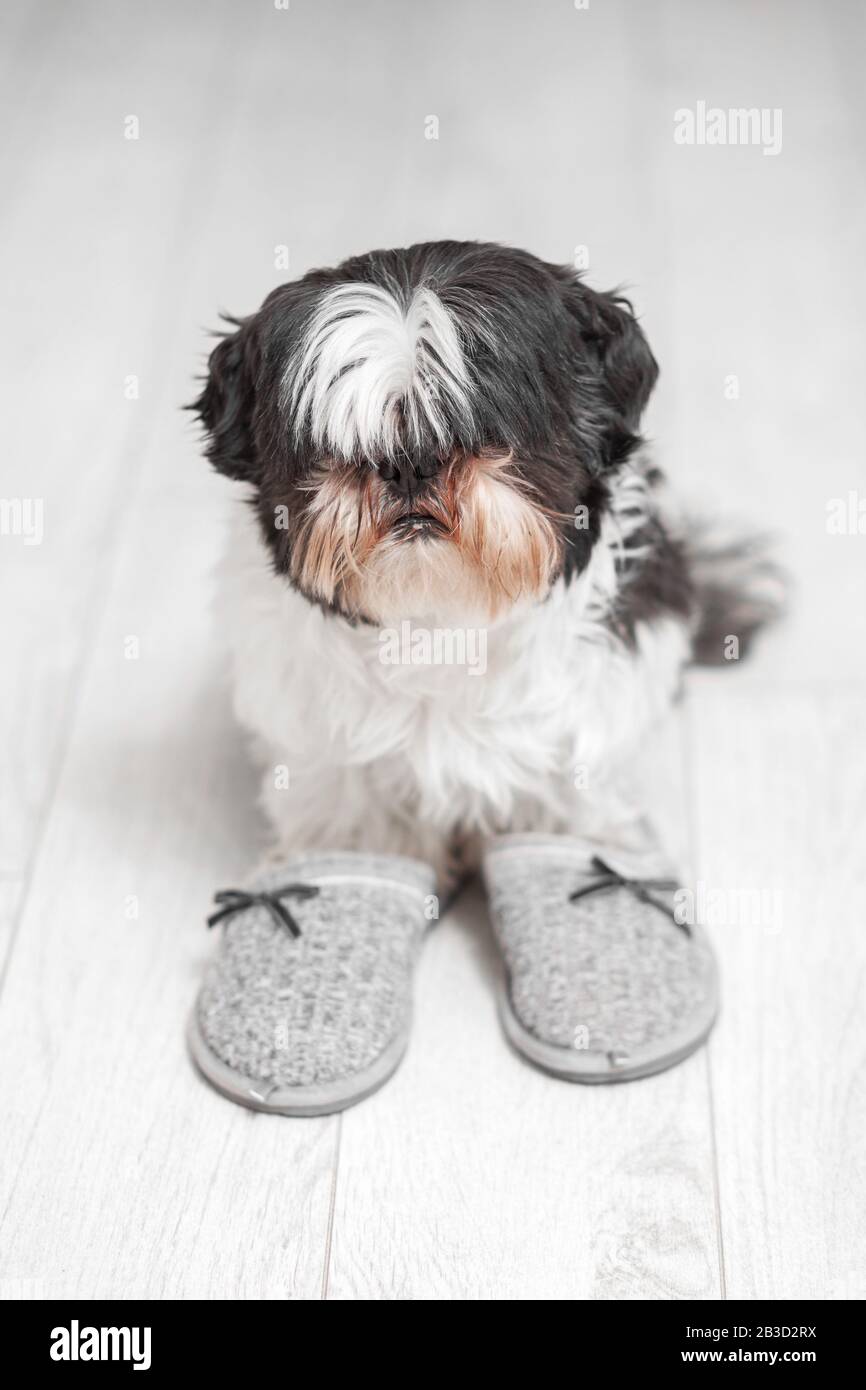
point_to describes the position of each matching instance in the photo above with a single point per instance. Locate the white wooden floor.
(125, 795)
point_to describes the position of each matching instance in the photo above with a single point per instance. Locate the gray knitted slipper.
(306, 1007)
(603, 983)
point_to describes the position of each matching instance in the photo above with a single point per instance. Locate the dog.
(457, 599)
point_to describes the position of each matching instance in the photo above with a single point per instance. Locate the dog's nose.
(407, 476)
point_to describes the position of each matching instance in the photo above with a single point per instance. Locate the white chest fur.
(484, 728)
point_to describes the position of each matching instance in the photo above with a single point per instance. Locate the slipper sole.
(598, 1068)
(295, 1101)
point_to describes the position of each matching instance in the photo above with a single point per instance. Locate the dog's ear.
(616, 348)
(226, 405)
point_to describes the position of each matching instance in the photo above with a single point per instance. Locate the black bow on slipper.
(609, 877)
(234, 900)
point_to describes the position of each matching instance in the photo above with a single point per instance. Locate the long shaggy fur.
(372, 373)
(738, 589)
(449, 435)
(502, 548)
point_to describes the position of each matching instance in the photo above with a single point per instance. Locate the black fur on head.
(414, 386)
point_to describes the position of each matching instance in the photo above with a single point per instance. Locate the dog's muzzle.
(417, 525)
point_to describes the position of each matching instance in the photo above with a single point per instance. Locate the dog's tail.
(738, 587)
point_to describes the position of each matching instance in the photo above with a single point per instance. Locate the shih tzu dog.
(455, 602)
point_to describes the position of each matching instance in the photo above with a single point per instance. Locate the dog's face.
(421, 427)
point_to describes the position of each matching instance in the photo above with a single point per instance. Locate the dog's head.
(429, 431)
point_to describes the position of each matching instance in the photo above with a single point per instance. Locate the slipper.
(603, 981)
(306, 1007)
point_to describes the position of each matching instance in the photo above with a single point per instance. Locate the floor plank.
(123, 1173)
(781, 780)
(84, 326)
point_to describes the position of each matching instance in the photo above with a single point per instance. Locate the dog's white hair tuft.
(374, 374)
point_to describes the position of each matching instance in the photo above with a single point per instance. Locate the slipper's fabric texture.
(306, 1007)
(603, 983)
